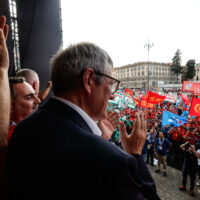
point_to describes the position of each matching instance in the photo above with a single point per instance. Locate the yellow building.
(136, 75)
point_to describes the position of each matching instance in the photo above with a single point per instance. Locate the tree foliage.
(190, 69)
(176, 63)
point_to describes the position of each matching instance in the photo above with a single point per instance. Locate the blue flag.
(169, 118)
(185, 114)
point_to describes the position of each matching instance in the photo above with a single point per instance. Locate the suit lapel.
(61, 108)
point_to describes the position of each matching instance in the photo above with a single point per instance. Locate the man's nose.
(112, 96)
(37, 100)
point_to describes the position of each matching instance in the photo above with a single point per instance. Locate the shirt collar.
(91, 123)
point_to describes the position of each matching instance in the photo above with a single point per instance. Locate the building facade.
(197, 72)
(136, 75)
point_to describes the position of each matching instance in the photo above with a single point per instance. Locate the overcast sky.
(123, 27)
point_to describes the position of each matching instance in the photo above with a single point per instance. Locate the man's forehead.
(23, 88)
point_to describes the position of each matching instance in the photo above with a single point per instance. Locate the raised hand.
(134, 142)
(44, 93)
(4, 26)
(4, 59)
(4, 85)
(108, 125)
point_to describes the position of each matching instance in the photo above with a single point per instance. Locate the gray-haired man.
(59, 151)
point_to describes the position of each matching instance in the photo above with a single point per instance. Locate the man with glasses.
(58, 151)
(114, 84)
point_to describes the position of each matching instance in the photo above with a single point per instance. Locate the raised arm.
(4, 84)
(44, 93)
(183, 146)
(134, 142)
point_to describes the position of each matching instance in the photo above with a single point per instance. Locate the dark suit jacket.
(54, 154)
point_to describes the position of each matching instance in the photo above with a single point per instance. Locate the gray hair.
(69, 64)
(30, 75)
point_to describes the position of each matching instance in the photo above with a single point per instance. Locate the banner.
(154, 98)
(128, 91)
(143, 102)
(170, 98)
(128, 101)
(185, 99)
(150, 105)
(118, 99)
(169, 118)
(191, 86)
(195, 107)
(137, 102)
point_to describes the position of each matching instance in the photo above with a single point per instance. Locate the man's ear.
(88, 79)
(36, 86)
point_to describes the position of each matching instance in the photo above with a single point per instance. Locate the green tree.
(176, 63)
(190, 69)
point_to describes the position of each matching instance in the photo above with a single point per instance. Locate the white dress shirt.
(91, 123)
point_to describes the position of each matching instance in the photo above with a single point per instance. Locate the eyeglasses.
(115, 83)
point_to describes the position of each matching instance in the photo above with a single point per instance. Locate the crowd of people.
(160, 138)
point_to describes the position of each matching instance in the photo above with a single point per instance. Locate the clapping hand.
(134, 142)
(108, 125)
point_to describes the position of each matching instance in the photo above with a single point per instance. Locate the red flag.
(150, 105)
(195, 107)
(128, 91)
(185, 99)
(137, 102)
(144, 101)
(191, 86)
(154, 98)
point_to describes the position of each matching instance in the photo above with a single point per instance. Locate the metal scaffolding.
(15, 35)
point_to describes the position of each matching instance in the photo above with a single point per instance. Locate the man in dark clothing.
(60, 151)
(189, 166)
(150, 147)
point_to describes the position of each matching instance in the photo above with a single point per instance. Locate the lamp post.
(148, 45)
